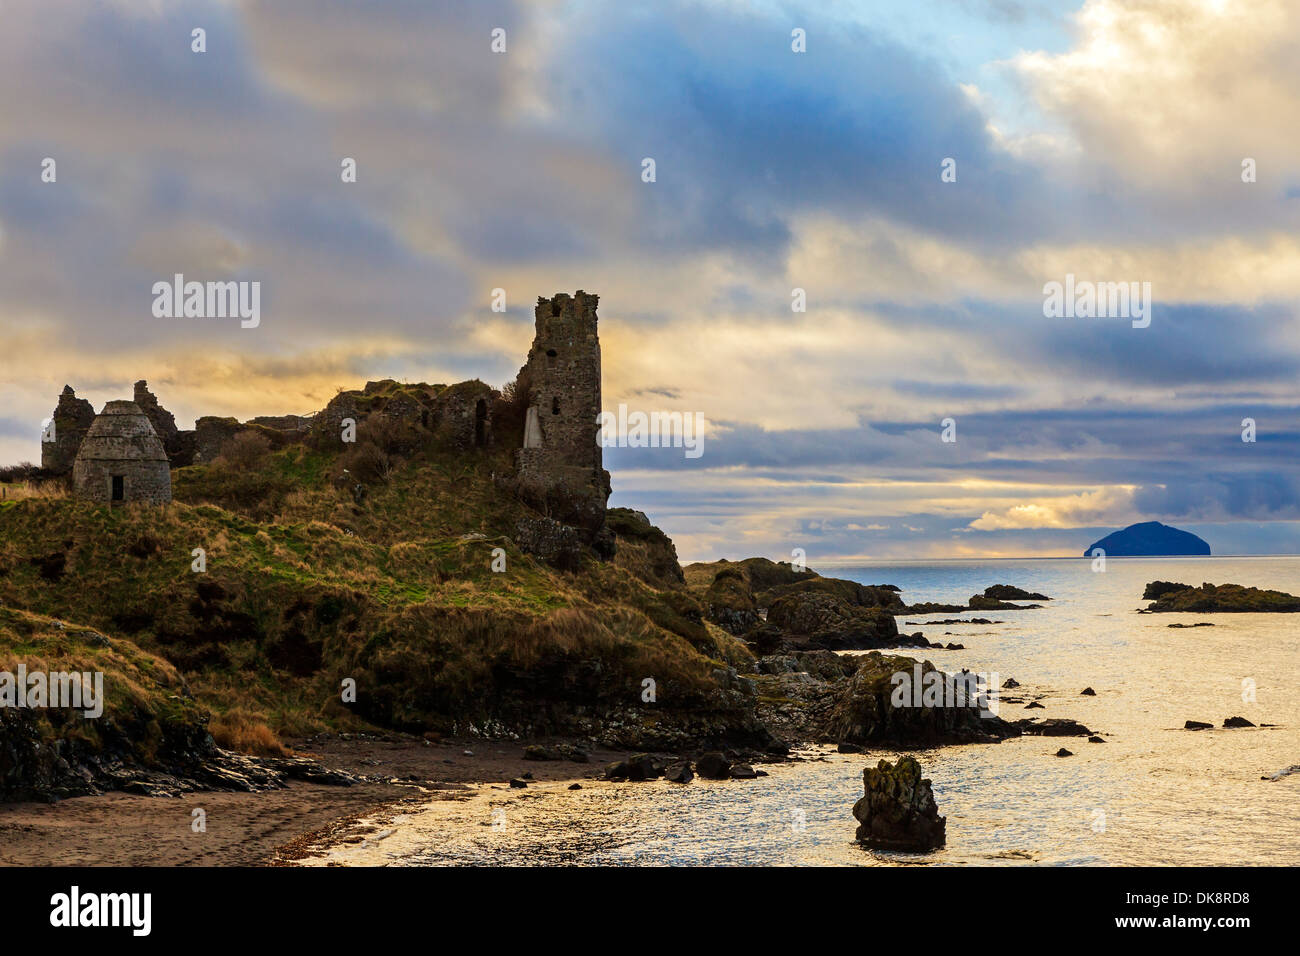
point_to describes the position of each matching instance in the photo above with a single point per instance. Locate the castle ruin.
(126, 452)
(560, 465)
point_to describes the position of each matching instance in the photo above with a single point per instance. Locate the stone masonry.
(560, 466)
(70, 422)
(122, 459)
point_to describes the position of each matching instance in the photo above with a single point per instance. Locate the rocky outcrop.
(678, 771)
(776, 607)
(823, 621)
(897, 810)
(1009, 592)
(982, 602)
(1051, 727)
(638, 767)
(884, 702)
(1158, 589)
(184, 760)
(730, 602)
(559, 545)
(713, 766)
(644, 549)
(996, 597)
(1219, 598)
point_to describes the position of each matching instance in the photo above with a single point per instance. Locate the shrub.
(368, 463)
(511, 412)
(247, 449)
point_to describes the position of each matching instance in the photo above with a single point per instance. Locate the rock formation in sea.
(1222, 598)
(897, 811)
(1149, 539)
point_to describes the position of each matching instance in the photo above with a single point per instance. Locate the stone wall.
(72, 418)
(180, 445)
(404, 418)
(211, 434)
(561, 465)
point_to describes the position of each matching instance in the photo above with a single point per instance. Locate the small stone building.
(122, 459)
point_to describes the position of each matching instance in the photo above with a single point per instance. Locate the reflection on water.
(1152, 794)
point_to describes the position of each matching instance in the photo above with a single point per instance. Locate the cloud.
(776, 171)
(1104, 506)
(1170, 95)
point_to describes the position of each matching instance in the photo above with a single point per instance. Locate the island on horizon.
(1149, 539)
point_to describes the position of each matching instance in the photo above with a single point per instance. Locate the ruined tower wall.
(71, 420)
(561, 462)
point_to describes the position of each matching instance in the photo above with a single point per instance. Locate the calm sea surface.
(1152, 794)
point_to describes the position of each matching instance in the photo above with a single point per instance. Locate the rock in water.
(1158, 589)
(1224, 598)
(1147, 539)
(888, 700)
(897, 811)
(713, 766)
(1009, 592)
(679, 771)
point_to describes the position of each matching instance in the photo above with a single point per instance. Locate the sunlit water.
(1152, 794)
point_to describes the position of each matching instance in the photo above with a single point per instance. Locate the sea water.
(1153, 793)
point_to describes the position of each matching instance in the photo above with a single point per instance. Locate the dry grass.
(315, 587)
(243, 732)
(52, 490)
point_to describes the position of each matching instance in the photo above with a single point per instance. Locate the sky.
(1101, 139)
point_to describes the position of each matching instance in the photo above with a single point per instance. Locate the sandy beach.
(255, 829)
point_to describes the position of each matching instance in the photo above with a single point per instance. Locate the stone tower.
(560, 466)
(71, 420)
(122, 459)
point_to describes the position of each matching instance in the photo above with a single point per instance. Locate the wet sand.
(251, 829)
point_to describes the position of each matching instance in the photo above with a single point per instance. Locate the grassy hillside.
(148, 718)
(309, 583)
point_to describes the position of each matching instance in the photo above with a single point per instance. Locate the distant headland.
(1149, 539)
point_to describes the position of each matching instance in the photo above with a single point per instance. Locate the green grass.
(305, 587)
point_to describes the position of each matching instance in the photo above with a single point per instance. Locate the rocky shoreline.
(1171, 596)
